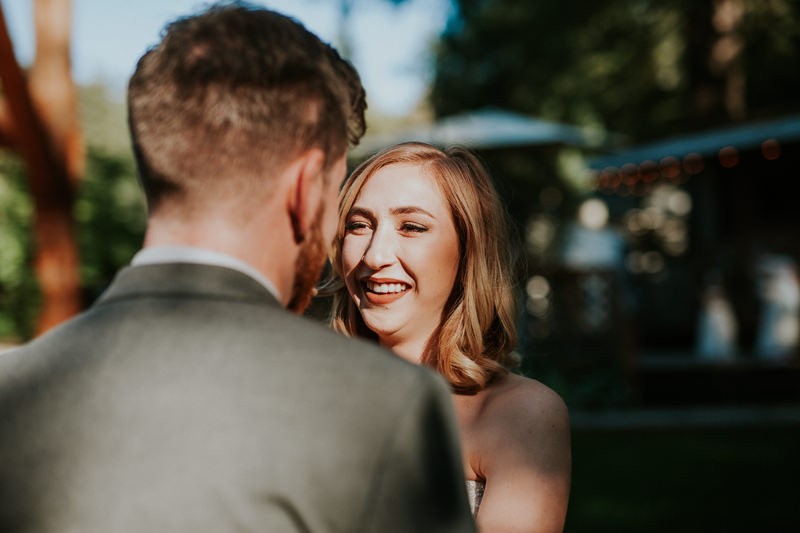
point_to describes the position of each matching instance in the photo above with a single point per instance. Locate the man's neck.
(264, 252)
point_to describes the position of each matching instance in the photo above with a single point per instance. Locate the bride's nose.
(381, 250)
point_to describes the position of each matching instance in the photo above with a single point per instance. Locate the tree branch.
(6, 126)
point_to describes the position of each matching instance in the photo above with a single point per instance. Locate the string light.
(771, 149)
(729, 157)
(639, 179)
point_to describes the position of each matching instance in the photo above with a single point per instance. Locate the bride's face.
(400, 253)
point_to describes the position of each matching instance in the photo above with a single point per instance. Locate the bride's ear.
(305, 192)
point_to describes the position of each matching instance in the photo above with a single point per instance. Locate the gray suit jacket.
(187, 399)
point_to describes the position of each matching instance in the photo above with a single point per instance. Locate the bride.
(423, 253)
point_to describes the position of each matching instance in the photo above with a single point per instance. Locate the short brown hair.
(235, 92)
(477, 334)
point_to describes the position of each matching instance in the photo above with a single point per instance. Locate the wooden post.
(43, 128)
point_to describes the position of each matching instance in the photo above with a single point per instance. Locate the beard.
(308, 268)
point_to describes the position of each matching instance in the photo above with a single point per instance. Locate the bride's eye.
(355, 226)
(413, 228)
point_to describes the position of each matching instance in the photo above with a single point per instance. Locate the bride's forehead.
(400, 182)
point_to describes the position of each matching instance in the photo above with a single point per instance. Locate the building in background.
(712, 225)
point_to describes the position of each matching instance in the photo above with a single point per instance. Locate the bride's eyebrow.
(362, 211)
(410, 209)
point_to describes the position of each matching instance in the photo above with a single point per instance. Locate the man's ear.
(306, 191)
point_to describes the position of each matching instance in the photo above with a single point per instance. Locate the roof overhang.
(705, 144)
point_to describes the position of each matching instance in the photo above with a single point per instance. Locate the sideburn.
(308, 266)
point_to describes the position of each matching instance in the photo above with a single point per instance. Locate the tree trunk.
(725, 60)
(714, 64)
(42, 125)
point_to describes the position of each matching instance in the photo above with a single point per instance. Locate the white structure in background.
(779, 292)
(717, 328)
(484, 129)
(594, 250)
(591, 244)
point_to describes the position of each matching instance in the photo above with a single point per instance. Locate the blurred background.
(645, 151)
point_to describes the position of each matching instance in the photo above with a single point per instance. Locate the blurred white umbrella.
(483, 129)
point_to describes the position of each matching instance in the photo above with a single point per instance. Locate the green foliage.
(638, 67)
(19, 296)
(103, 119)
(110, 218)
(772, 30)
(109, 206)
(109, 214)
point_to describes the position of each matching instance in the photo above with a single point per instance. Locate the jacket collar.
(193, 254)
(186, 280)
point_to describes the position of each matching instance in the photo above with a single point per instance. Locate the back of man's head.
(228, 97)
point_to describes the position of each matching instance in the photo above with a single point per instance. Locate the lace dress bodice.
(475, 494)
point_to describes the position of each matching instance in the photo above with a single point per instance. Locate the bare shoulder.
(523, 425)
(523, 452)
(523, 404)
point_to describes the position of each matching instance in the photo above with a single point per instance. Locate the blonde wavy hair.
(474, 341)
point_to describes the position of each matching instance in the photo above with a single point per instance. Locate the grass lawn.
(685, 480)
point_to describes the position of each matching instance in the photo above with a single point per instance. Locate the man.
(187, 398)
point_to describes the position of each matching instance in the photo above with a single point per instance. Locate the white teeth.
(386, 288)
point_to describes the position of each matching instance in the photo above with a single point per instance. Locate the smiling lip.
(376, 298)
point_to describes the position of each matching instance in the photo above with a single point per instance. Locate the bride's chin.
(381, 330)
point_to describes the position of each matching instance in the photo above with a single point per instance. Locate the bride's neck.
(409, 349)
